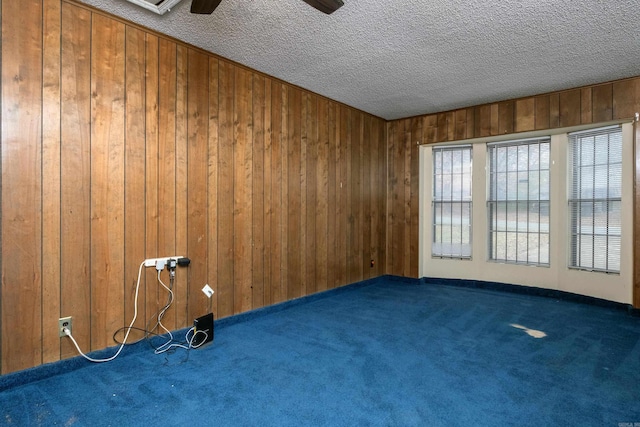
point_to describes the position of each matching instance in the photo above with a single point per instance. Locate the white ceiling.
(401, 58)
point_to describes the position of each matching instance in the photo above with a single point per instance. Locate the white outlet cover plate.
(207, 291)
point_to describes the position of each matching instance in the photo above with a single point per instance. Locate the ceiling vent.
(156, 6)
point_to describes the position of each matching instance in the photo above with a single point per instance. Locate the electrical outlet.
(153, 262)
(207, 291)
(64, 322)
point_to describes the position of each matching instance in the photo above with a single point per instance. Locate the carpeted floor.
(388, 352)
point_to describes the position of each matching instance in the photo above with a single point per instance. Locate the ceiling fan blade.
(326, 6)
(204, 7)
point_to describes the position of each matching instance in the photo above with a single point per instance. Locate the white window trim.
(558, 276)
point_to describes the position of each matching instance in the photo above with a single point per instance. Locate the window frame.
(495, 202)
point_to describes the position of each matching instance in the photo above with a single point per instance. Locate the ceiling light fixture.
(160, 8)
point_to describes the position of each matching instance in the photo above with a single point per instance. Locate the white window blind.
(595, 158)
(452, 202)
(518, 202)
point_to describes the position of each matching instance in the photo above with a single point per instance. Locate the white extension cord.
(159, 263)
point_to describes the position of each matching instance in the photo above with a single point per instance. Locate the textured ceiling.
(402, 58)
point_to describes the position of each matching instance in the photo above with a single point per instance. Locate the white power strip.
(154, 262)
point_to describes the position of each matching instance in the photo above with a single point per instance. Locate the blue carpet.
(387, 353)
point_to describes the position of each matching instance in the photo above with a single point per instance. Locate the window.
(452, 202)
(518, 205)
(595, 198)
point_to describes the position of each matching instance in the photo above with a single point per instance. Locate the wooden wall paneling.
(75, 174)
(602, 100)
(443, 127)
(154, 297)
(213, 162)
(397, 249)
(269, 205)
(586, 106)
(333, 181)
(542, 112)
(525, 114)
(181, 202)
(413, 206)
(626, 97)
(342, 182)
(554, 110)
(259, 224)
(460, 125)
(52, 10)
(134, 175)
(285, 189)
(198, 159)
(484, 122)
(294, 193)
(242, 190)
(225, 280)
(506, 117)
(309, 151)
(406, 188)
(569, 104)
(430, 129)
(471, 126)
(167, 223)
(367, 150)
(277, 221)
(354, 231)
(382, 167)
(495, 119)
(322, 193)
(107, 179)
(21, 172)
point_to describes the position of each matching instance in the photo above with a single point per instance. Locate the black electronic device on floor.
(203, 330)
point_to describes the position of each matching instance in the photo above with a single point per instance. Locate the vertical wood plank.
(485, 121)
(525, 114)
(430, 129)
(413, 207)
(381, 169)
(155, 297)
(242, 181)
(554, 110)
(542, 112)
(626, 97)
(366, 153)
(284, 188)
(182, 166)
(167, 222)
(471, 126)
(75, 174)
(224, 285)
(52, 10)
(342, 180)
(354, 232)
(197, 158)
(586, 106)
(269, 204)
(322, 187)
(460, 126)
(276, 228)
(602, 99)
(333, 179)
(495, 119)
(505, 117)
(258, 222)
(212, 182)
(569, 103)
(21, 174)
(107, 179)
(294, 194)
(311, 161)
(134, 179)
(443, 127)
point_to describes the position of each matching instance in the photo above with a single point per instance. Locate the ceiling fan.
(207, 7)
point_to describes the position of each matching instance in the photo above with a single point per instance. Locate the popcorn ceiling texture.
(403, 58)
